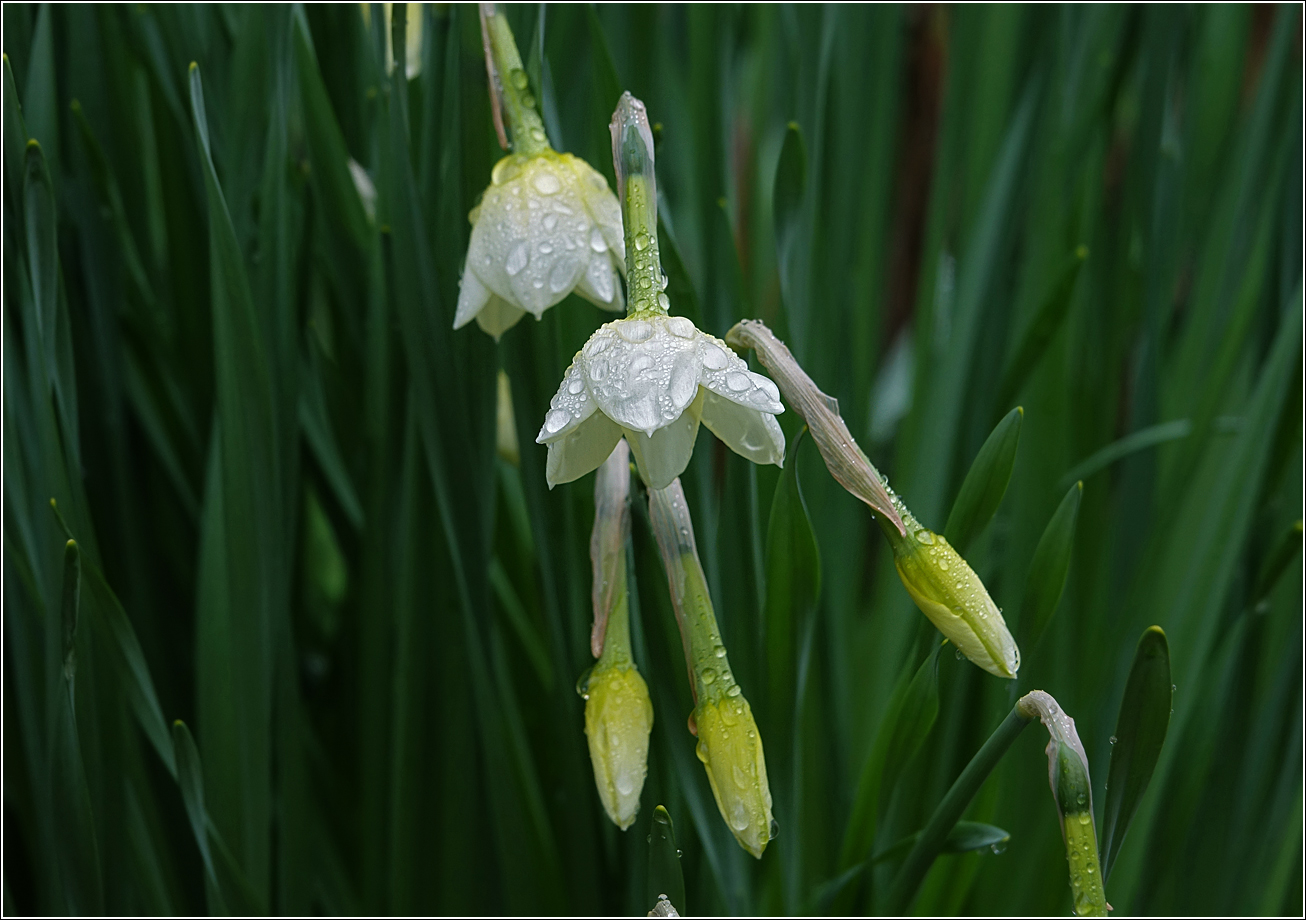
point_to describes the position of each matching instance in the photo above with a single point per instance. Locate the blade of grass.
(985, 483)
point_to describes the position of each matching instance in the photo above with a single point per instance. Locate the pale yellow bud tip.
(731, 748)
(618, 719)
(950, 594)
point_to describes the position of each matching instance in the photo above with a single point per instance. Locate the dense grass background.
(242, 391)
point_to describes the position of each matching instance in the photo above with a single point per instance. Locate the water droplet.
(537, 135)
(641, 242)
(597, 242)
(546, 183)
(546, 248)
(958, 655)
(519, 79)
(1083, 818)
(719, 651)
(664, 302)
(925, 537)
(943, 564)
(518, 258)
(998, 848)
(550, 221)
(554, 421)
(714, 359)
(575, 385)
(738, 382)
(561, 276)
(583, 683)
(598, 369)
(734, 690)
(528, 100)
(774, 829)
(635, 331)
(708, 676)
(1112, 739)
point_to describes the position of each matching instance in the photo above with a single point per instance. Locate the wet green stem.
(950, 810)
(509, 85)
(632, 158)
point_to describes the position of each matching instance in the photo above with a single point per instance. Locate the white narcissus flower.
(652, 379)
(547, 225)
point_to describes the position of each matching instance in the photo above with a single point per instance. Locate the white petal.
(599, 284)
(664, 456)
(641, 374)
(726, 374)
(582, 450)
(752, 434)
(498, 316)
(570, 406)
(472, 296)
(604, 209)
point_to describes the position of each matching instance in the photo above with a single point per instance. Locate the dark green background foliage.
(244, 395)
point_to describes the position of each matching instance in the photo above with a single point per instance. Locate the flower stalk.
(510, 91)
(632, 157)
(729, 744)
(618, 711)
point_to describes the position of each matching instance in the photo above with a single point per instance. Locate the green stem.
(511, 86)
(616, 636)
(632, 157)
(950, 810)
(705, 653)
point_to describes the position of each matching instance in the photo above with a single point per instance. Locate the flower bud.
(948, 591)
(1072, 791)
(731, 748)
(618, 719)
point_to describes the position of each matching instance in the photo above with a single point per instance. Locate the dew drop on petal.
(554, 421)
(597, 242)
(560, 277)
(714, 359)
(575, 385)
(738, 382)
(550, 221)
(680, 326)
(518, 258)
(635, 331)
(546, 183)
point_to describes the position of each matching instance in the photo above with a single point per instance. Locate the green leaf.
(1136, 746)
(326, 143)
(190, 777)
(1130, 444)
(76, 842)
(986, 483)
(1276, 561)
(665, 878)
(920, 709)
(1049, 567)
(964, 837)
(793, 580)
(1033, 342)
(788, 191)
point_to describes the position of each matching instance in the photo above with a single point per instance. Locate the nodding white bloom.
(547, 225)
(653, 378)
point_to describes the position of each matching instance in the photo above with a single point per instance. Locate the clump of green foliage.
(285, 632)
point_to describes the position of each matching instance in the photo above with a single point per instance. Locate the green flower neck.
(513, 86)
(632, 156)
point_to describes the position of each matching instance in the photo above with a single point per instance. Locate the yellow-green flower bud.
(948, 591)
(618, 719)
(731, 748)
(729, 743)
(618, 712)
(1072, 791)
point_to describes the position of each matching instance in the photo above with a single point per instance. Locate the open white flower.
(547, 225)
(652, 379)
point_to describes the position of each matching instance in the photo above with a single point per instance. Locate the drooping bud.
(951, 595)
(618, 720)
(618, 711)
(729, 744)
(1072, 792)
